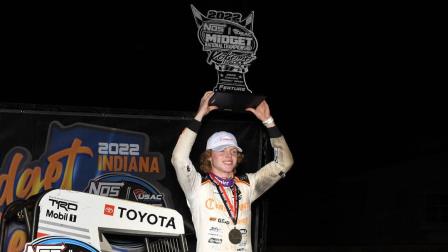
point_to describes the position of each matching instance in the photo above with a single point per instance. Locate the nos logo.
(58, 244)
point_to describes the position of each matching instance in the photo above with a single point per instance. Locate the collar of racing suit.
(226, 182)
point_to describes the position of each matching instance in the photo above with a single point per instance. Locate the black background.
(356, 90)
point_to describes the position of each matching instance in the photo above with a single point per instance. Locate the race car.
(64, 221)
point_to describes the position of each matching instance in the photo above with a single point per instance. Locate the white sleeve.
(269, 174)
(186, 173)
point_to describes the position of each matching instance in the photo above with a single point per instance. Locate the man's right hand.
(204, 107)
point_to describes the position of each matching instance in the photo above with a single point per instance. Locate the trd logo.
(108, 189)
(64, 205)
(109, 209)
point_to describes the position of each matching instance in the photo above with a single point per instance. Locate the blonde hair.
(206, 166)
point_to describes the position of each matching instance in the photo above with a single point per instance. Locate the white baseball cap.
(221, 140)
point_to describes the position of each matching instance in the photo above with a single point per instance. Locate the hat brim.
(222, 147)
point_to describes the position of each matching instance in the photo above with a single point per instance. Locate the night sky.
(355, 90)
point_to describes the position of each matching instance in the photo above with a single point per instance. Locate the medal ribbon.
(226, 182)
(232, 210)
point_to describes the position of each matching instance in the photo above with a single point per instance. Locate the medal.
(235, 236)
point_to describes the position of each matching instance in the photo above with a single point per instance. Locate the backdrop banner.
(123, 155)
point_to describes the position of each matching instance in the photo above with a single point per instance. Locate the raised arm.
(185, 171)
(269, 174)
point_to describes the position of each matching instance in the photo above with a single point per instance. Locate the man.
(219, 201)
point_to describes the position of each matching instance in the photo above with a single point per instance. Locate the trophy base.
(235, 101)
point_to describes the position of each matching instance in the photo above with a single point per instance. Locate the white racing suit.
(210, 218)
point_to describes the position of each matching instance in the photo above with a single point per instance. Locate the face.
(224, 162)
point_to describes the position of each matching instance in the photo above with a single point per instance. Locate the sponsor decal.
(63, 204)
(243, 221)
(109, 209)
(108, 189)
(60, 216)
(46, 248)
(152, 219)
(142, 195)
(212, 204)
(128, 187)
(215, 240)
(58, 244)
(215, 229)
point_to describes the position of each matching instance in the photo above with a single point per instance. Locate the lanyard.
(232, 210)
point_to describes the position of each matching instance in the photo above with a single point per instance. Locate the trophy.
(230, 45)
